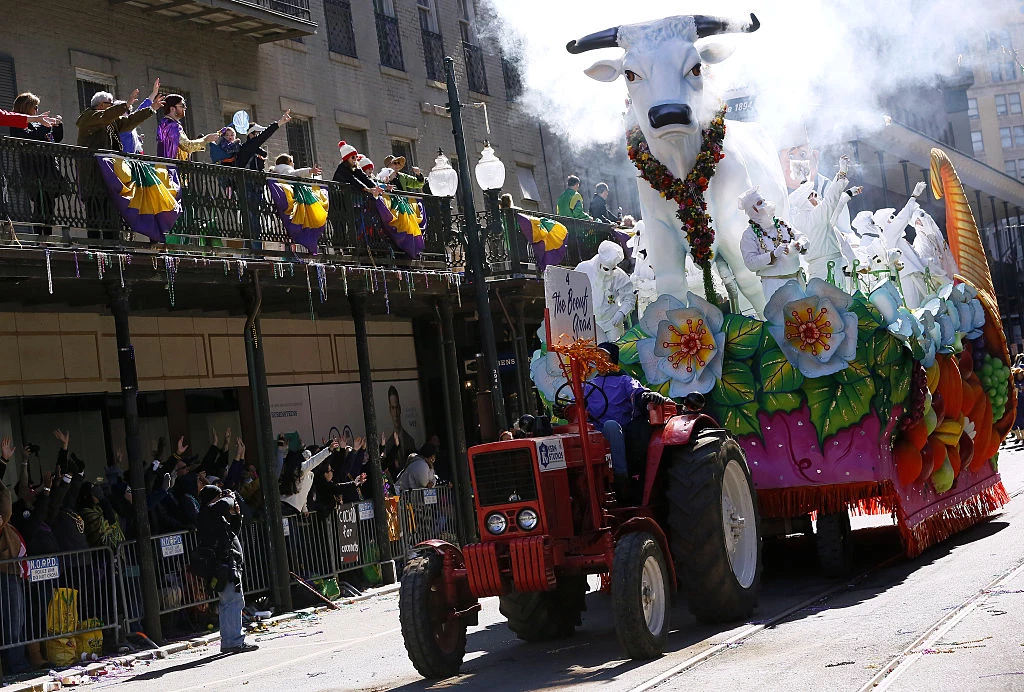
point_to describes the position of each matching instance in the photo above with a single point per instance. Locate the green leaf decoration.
(784, 402)
(634, 370)
(856, 370)
(661, 388)
(900, 376)
(627, 345)
(738, 420)
(835, 406)
(735, 386)
(777, 373)
(868, 317)
(742, 336)
(885, 350)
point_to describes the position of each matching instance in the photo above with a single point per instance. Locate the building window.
(403, 147)
(1013, 103)
(8, 81)
(1000, 104)
(527, 182)
(1018, 136)
(1003, 70)
(340, 36)
(1020, 169)
(1005, 141)
(513, 79)
(1011, 169)
(356, 138)
(972, 108)
(88, 83)
(977, 142)
(300, 142)
(476, 72)
(388, 39)
(433, 42)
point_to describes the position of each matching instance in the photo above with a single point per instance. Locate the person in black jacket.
(599, 205)
(249, 154)
(220, 520)
(349, 173)
(41, 175)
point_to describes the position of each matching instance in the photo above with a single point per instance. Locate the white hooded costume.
(870, 252)
(611, 289)
(643, 271)
(770, 250)
(932, 249)
(815, 220)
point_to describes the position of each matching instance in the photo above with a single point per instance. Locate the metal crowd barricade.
(425, 513)
(58, 596)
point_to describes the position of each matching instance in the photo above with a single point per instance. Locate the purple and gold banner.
(548, 239)
(302, 209)
(404, 219)
(146, 194)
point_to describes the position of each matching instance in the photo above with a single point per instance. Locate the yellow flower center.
(810, 330)
(690, 345)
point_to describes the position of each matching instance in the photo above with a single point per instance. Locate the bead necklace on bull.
(688, 193)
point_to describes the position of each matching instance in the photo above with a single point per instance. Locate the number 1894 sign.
(568, 306)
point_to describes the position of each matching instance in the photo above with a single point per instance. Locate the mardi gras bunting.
(302, 209)
(548, 239)
(146, 194)
(404, 219)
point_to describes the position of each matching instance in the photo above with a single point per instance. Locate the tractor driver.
(624, 421)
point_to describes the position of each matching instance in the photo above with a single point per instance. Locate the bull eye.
(696, 70)
(631, 75)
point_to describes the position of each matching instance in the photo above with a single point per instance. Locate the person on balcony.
(251, 154)
(40, 173)
(392, 174)
(132, 141)
(599, 205)
(22, 120)
(570, 202)
(349, 173)
(99, 127)
(284, 165)
(171, 140)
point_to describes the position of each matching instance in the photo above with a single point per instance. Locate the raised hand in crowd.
(285, 117)
(6, 448)
(360, 443)
(156, 90)
(133, 98)
(182, 447)
(158, 102)
(63, 436)
(227, 439)
(360, 479)
(44, 119)
(240, 450)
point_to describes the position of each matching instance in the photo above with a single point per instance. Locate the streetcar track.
(754, 629)
(899, 664)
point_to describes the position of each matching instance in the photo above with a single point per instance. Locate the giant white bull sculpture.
(662, 66)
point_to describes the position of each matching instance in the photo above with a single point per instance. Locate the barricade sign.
(348, 534)
(287, 526)
(43, 569)
(366, 509)
(172, 545)
(430, 496)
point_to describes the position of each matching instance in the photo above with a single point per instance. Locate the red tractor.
(548, 517)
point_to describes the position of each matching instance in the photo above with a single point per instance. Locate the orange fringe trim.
(869, 497)
(952, 520)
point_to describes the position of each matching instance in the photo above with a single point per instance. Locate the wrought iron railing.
(476, 73)
(389, 41)
(293, 8)
(341, 36)
(507, 251)
(433, 55)
(56, 186)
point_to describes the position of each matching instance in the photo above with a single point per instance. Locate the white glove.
(918, 189)
(844, 164)
(617, 319)
(780, 250)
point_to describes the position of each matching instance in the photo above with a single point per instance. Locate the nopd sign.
(568, 306)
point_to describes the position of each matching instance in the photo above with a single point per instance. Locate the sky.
(806, 53)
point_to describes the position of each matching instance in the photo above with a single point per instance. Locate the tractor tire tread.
(414, 615)
(630, 627)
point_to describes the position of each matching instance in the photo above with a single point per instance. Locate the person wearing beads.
(771, 248)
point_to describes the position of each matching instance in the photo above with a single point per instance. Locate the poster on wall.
(315, 411)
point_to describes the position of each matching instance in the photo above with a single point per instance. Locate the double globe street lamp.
(445, 181)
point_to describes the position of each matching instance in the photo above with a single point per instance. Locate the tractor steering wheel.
(565, 401)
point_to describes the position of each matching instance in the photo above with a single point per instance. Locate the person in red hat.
(349, 173)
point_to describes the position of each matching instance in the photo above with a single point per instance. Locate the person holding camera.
(218, 558)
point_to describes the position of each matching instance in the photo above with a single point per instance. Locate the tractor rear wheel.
(714, 529)
(833, 542)
(641, 595)
(436, 645)
(541, 616)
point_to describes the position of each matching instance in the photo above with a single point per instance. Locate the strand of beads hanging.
(780, 225)
(687, 193)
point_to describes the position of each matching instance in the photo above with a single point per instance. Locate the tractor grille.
(500, 475)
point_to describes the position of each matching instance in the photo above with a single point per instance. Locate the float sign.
(569, 306)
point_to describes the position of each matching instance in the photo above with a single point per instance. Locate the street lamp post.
(475, 249)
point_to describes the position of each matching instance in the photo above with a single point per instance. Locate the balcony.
(476, 73)
(261, 20)
(433, 55)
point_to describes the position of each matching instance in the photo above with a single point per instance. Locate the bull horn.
(709, 26)
(609, 38)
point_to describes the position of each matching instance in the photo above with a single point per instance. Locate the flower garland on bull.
(687, 193)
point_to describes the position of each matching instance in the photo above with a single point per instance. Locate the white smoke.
(835, 60)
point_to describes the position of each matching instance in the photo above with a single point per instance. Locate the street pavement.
(952, 618)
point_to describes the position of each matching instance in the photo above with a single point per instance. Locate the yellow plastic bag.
(91, 641)
(62, 613)
(62, 651)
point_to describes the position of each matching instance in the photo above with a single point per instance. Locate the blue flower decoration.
(688, 345)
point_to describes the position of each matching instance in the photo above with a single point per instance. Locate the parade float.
(842, 398)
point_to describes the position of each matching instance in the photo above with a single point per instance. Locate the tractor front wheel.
(542, 616)
(436, 644)
(641, 595)
(715, 535)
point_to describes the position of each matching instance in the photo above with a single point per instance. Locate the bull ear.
(605, 70)
(712, 52)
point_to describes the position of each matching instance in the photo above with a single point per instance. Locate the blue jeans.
(12, 622)
(231, 603)
(612, 432)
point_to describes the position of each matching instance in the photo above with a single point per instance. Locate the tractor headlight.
(527, 519)
(497, 523)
